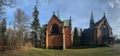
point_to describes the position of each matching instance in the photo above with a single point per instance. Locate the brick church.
(99, 33)
(58, 33)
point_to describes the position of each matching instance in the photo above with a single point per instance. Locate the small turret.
(58, 14)
(70, 21)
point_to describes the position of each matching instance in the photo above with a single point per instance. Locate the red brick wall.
(54, 40)
(99, 32)
(99, 37)
(57, 40)
(68, 41)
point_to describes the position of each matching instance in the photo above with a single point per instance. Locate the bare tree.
(3, 3)
(21, 25)
(10, 38)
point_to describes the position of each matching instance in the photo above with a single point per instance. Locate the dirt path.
(116, 47)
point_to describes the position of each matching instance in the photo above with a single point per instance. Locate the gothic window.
(55, 29)
(105, 31)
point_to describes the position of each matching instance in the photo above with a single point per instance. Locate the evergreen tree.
(2, 31)
(35, 26)
(75, 37)
(3, 26)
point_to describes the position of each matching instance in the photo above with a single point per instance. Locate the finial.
(104, 13)
(53, 12)
(58, 14)
(70, 20)
(70, 17)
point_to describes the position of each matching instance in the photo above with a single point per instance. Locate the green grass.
(100, 51)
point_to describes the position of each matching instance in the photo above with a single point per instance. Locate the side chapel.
(58, 33)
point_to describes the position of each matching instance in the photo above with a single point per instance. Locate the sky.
(79, 10)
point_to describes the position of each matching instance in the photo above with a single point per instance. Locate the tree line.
(22, 30)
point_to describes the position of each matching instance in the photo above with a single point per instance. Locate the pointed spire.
(91, 20)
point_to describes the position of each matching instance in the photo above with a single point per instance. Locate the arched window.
(55, 29)
(105, 31)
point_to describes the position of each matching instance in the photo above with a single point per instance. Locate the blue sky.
(80, 10)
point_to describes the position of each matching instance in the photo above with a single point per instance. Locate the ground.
(99, 51)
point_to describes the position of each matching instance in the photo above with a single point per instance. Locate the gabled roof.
(66, 23)
(55, 17)
(97, 23)
(103, 19)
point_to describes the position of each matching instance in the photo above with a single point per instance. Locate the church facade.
(99, 33)
(58, 33)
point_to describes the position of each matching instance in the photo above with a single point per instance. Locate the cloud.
(114, 14)
(114, 3)
(111, 4)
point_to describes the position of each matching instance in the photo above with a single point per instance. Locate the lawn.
(99, 51)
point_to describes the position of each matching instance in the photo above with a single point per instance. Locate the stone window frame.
(54, 30)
